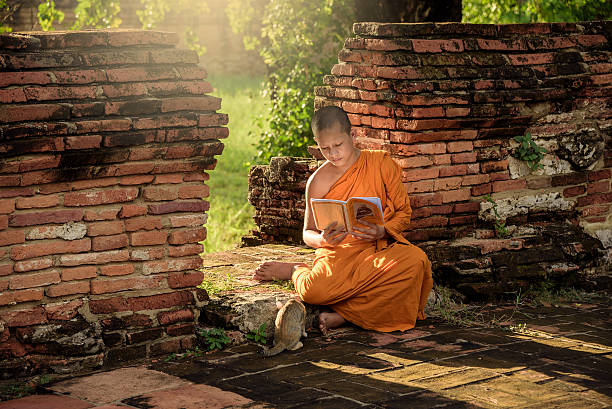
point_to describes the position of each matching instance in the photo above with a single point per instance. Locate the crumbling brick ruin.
(105, 140)
(446, 101)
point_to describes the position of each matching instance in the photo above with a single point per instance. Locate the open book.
(347, 213)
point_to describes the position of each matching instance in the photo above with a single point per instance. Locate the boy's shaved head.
(328, 117)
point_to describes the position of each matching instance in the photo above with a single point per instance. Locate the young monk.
(374, 277)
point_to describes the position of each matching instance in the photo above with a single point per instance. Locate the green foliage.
(531, 11)
(530, 152)
(299, 41)
(500, 225)
(259, 335)
(97, 14)
(190, 353)
(215, 338)
(47, 14)
(6, 12)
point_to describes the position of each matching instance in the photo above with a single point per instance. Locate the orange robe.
(380, 285)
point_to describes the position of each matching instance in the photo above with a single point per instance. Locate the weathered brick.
(117, 269)
(569, 179)
(174, 207)
(601, 186)
(168, 178)
(50, 247)
(483, 189)
(136, 180)
(102, 214)
(185, 250)
(62, 289)
(148, 238)
(105, 228)
(506, 185)
(419, 174)
(7, 206)
(574, 191)
(39, 201)
(160, 193)
(453, 170)
(102, 243)
(12, 237)
(143, 223)
(185, 279)
(600, 174)
(3, 222)
(94, 258)
(161, 301)
(51, 216)
(63, 311)
(206, 103)
(154, 267)
(447, 183)
(463, 157)
(132, 210)
(34, 280)
(462, 146)
(24, 318)
(34, 112)
(100, 197)
(172, 317)
(596, 198)
(109, 305)
(187, 236)
(456, 195)
(188, 220)
(6, 269)
(180, 329)
(154, 253)
(78, 273)
(125, 284)
(34, 264)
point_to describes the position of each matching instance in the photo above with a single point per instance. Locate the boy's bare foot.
(329, 320)
(274, 270)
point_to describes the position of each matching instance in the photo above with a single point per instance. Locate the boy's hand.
(332, 235)
(371, 232)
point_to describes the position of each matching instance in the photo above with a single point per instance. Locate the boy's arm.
(397, 199)
(310, 234)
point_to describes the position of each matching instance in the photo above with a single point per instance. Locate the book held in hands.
(347, 213)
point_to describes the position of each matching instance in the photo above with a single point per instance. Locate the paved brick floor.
(562, 358)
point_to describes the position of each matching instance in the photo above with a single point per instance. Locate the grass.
(231, 216)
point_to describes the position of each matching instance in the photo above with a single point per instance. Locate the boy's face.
(335, 145)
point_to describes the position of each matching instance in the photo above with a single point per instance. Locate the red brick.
(494, 166)
(63, 311)
(3, 222)
(193, 192)
(22, 191)
(52, 216)
(601, 186)
(453, 170)
(187, 236)
(109, 305)
(474, 179)
(456, 195)
(100, 197)
(470, 219)
(169, 178)
(454, 112)
(441, 159)
(470, 207)
(437, 46)
(206, 103)
(148, 254)
(148, 238)
(105, 228)
(24, 318)
(104, 214)
(160, 193)
(34, 280)
(538, 182)
(419, 174)
(482, 189)
(417, 187)
(185, 250)
(92, 183)
(180, 329)
(600, 174)
(166, 347)
(596, 210)
(161, 301)
(185, 279)
(574, 191)
(94, 258)
(506, 185)
(39, 201)
(413, 162)
(447, 183)
(207, 120)
(174, 207)
(153, 267)
(188, 220)
(143, 223)
(30, 294)
(429, 112)
(125, 284)
(12, 237)
(171, 317)
(60, 290)
(117, 269)
(463, 157)
(462, 146)
(49, 247)
(102, 243)
(34, 112)
(136, 180)
(597, 198)
(505, 175)
(569, 179)
(24, 78)
(132, 210)
(79, 273)
(35, 264)
(7, 206)
(6, 269)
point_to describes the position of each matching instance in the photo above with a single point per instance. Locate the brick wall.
(105, 140)
(446, 101)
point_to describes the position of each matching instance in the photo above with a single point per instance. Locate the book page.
(364, 209)
(326, 212)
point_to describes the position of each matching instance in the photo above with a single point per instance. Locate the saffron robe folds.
(380, 285)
